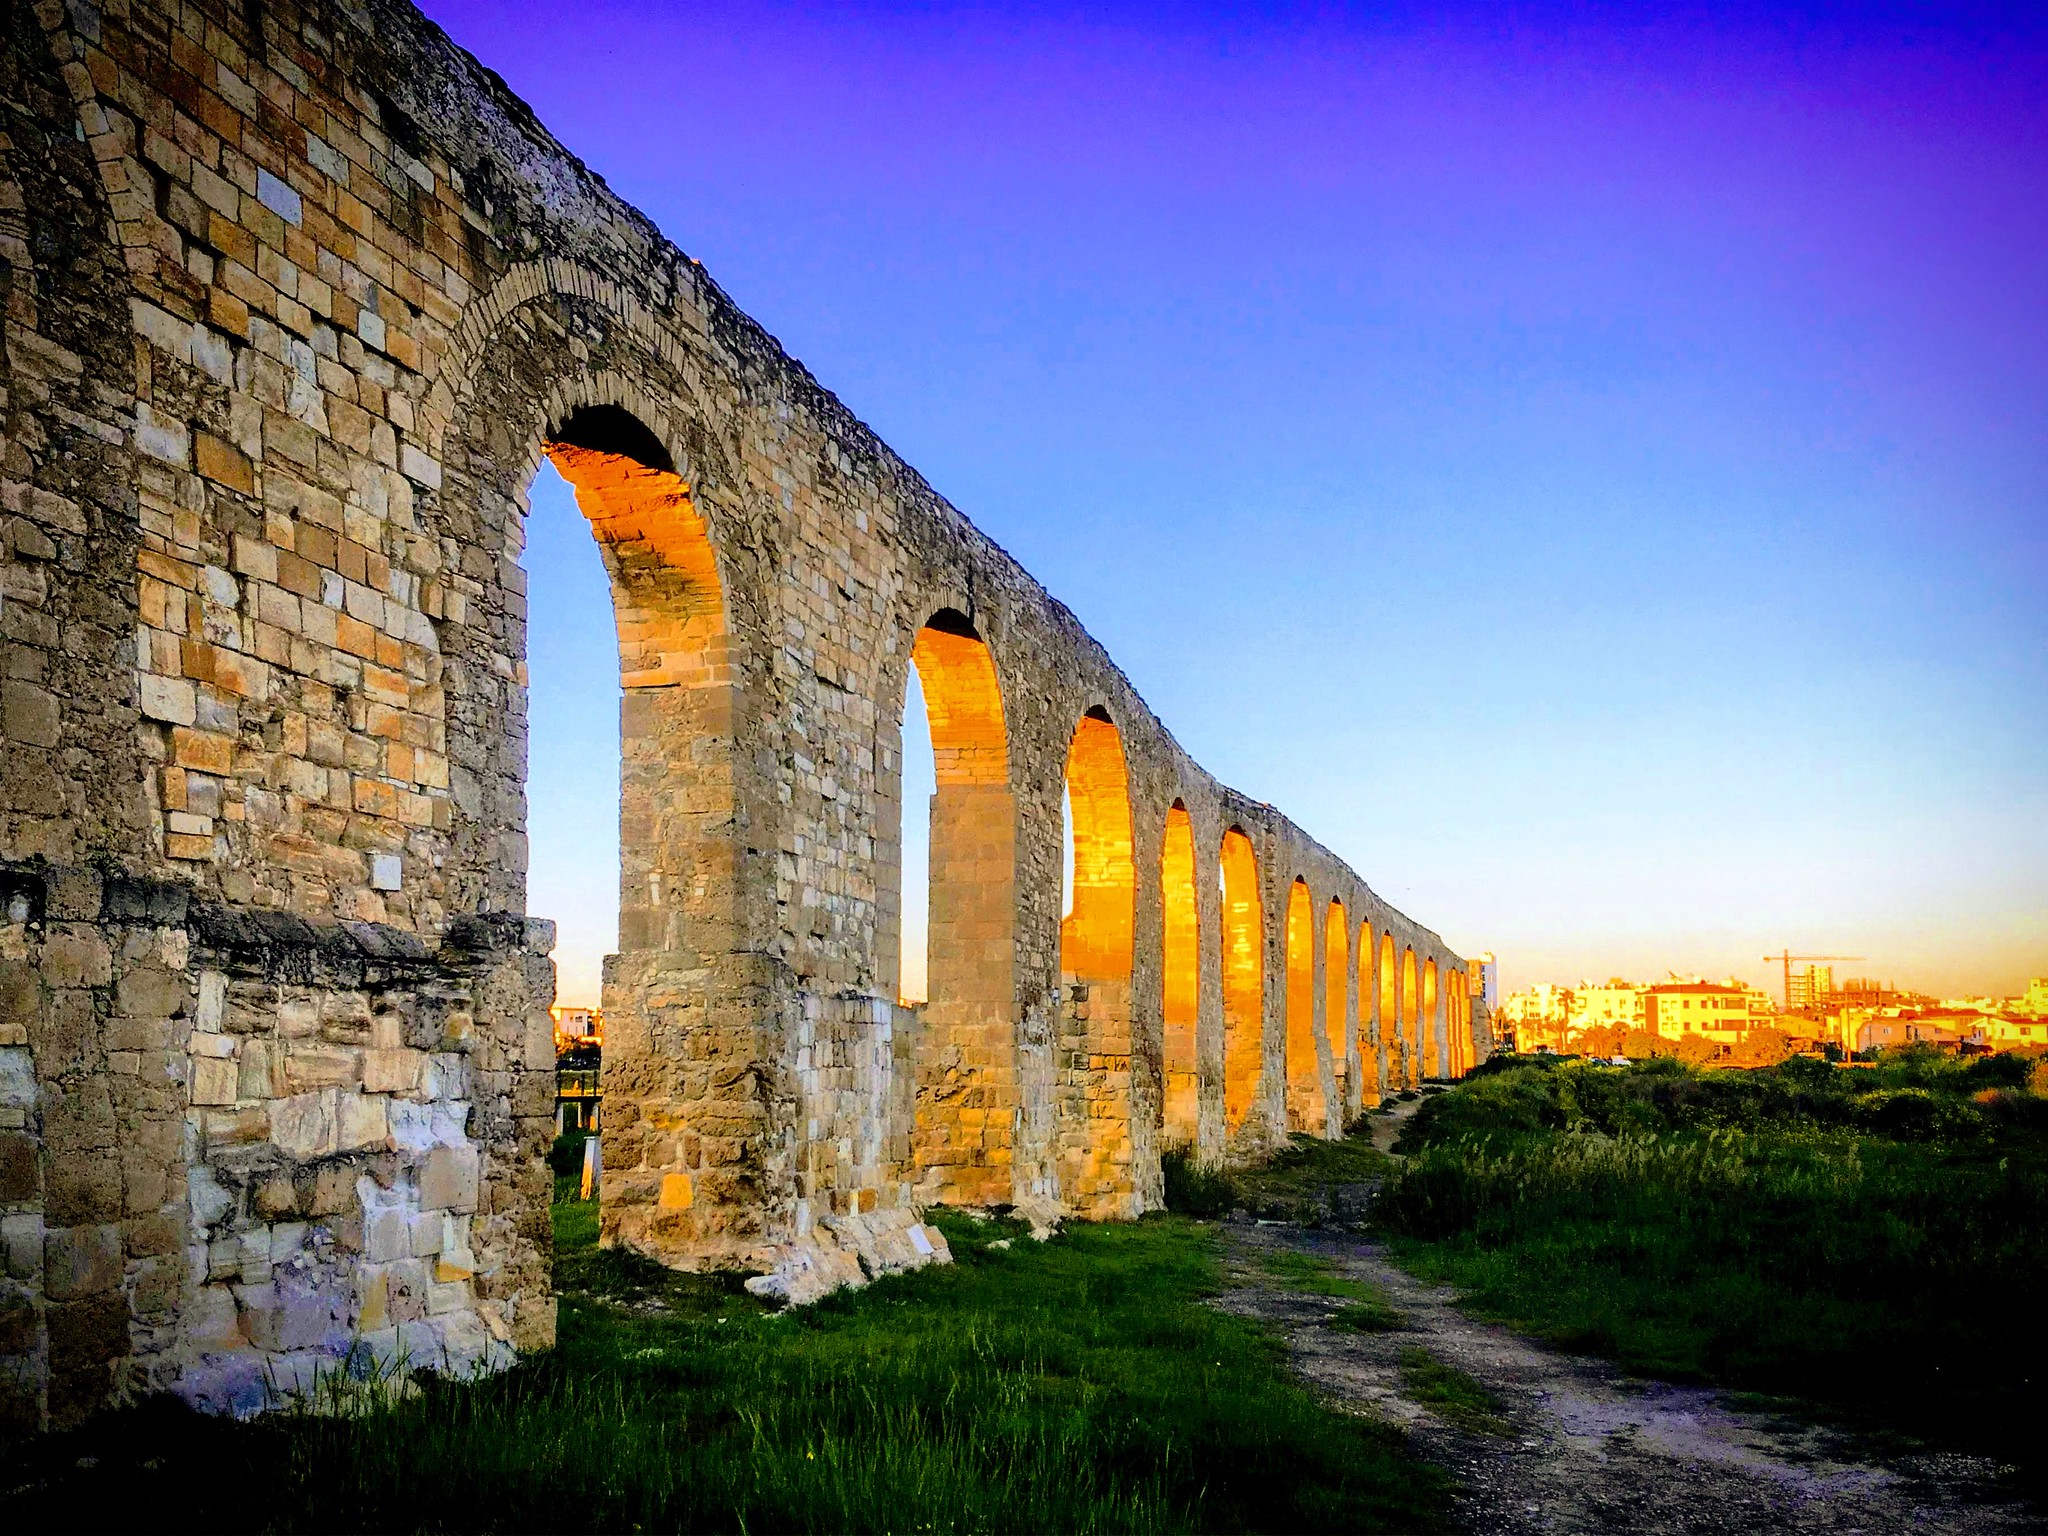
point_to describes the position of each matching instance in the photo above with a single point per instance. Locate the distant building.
(1618, 1002)
(1486, 978)
(1944, 1031)
(577, 1026)
(2004, 1032)
(579, 1036)
(1537, 1017)
(1719, 1011)
(1810, 989)
(2035, 1004)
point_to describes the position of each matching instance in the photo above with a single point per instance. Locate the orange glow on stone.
(1095, 938)
(1306, 1110)
(1337, 998)
(1244, 991)
(1180, 941)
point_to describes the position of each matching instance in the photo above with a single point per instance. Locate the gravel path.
(1592, 1451)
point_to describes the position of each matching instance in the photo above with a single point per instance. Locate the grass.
(1869, 1240)
(1306, 1272)
(1372, 1315)
(1077, 1385)
(1450, 1393)
(1310, 1180)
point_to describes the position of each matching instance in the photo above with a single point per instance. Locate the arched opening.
(1411, 1054)
(1095, 935)
(1435, 1049)
(1244, 989)
(1181, 967)
(1461, 1035)
(668, 1186)
(1095, 971)
(1372, 1080)
(1337, 1005)
(1391, 1048)
(967, 1051)
(1306, 1108)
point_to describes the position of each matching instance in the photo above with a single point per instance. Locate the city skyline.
(1592, 477)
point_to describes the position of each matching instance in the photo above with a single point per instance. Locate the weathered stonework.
(296, 298)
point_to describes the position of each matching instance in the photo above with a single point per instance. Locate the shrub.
(1195, 1189)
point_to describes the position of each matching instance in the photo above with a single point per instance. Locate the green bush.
(1195, 1189)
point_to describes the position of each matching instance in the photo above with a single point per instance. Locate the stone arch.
(1435, 1047)
(1411, 1002)
(694, 1077)
(1097, 1139)
(1181, 975)
(967, 1067)
(1244, 972)
(678, 1183)
(1391, 1048)
(1337, 994)
(1096, 937)
(1307, 1110)
(1371, 1055)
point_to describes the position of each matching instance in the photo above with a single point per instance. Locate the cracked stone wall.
(297, 297)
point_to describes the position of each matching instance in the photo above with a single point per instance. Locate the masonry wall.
(297, 297)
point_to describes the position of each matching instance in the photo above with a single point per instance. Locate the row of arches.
(1331, 1058)
(1274, 1011)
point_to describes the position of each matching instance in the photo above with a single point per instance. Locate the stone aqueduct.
(297, 296)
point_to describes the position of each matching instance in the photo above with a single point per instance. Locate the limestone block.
(213, 1321)
(446, 1298)
(406, 1290)
(393, 1071)
(17, 1080)
(17, 1166)
(214, 1080)
(448, 1179)
(81, 1261)
(21, 1244)
(303, 1124)
(387, 1235)
(361, 1121)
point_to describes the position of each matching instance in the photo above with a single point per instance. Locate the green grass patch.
(1868, 1240)
(1306, 1272)
(1312, 1180)
(1450, 1393)
(1077, 1385)
(1373, 1315)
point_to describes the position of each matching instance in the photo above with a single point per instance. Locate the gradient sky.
(1589, 471)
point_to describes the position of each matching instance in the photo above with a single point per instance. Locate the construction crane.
(1786, 957)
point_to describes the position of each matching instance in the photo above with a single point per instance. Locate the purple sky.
(1589, 472)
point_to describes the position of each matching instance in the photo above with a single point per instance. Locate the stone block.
(17, 1078)
(81, 1261)
(303, 1124)
(214, 1081)
(148, 992)
(17, 1167)
(393, 1071)
(361, 1121)
(448, 1179)
(387, 1235)
(21, 1244)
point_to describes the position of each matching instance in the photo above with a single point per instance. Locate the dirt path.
(1387, 1124)
(1591, 1451)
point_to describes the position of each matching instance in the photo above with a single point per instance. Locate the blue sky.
(1588, 470)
